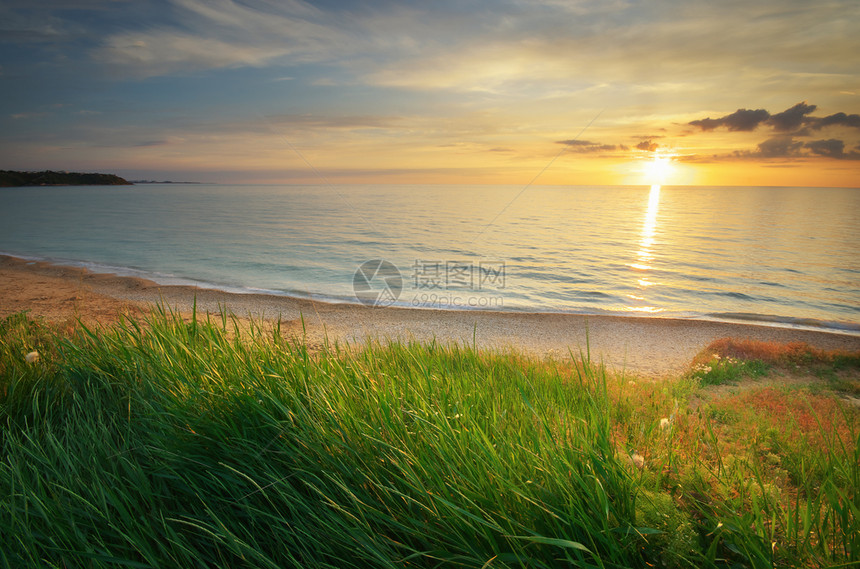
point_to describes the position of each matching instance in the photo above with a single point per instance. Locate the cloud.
(779, 147)
(741, 119)
(585, 146)
(145, 143)
(796, 121)
(33, 24)
(832, 148)
(576, 142)
(225, 34)
(567, 46)
(333, 122)
(490, 76)
(164, 52)
(840, 119)
(24, 116)
(791, 119)
(787, 147)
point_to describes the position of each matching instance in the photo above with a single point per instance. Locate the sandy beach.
(644, 346)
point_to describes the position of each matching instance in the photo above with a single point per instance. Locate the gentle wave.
(680, 253)
(172, 280)
(809, 323)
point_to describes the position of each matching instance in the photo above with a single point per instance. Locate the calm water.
(787, 255)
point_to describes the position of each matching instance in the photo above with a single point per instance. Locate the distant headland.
(11, 179)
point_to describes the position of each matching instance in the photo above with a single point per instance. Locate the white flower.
(664, 424)
(32, 357)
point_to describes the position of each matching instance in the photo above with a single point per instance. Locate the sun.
(659, 169)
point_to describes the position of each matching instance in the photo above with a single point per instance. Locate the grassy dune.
(200, 443)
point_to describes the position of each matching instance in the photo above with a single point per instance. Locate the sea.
(781, 256)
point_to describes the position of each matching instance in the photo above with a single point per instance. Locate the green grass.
(720, 371)
(173, 443)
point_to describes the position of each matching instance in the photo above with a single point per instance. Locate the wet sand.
(643, 346)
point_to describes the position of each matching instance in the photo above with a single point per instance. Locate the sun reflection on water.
(644, 255)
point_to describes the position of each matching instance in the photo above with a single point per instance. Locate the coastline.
(649, 346)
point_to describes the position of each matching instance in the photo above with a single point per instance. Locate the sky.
(577, 92)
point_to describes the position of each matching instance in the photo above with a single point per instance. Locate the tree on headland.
(11, 178)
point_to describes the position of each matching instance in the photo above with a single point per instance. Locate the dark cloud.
(832, 148)
(791, 119)
(741, 119)
(795, 120)
(791, 123)
(589, 146)
(779, 147)
(835, 119)
(787, 147)
(648, 145)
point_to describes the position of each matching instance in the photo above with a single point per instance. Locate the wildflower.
(664, 424)
(719, 525)
(32, 357)
(632, 457)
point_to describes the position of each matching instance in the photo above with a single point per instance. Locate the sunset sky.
(466, 92)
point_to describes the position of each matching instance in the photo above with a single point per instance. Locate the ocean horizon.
(781, 256)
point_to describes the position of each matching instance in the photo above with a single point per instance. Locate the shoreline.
(168, 281)
(650, 346)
